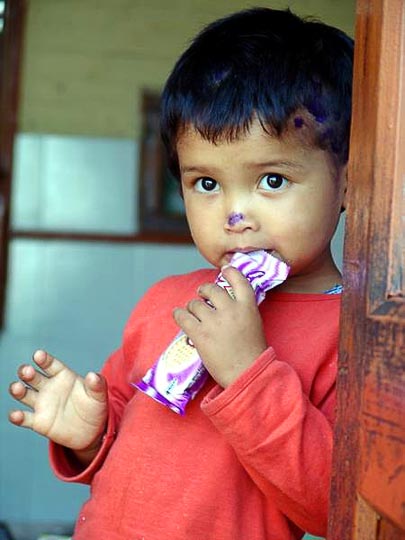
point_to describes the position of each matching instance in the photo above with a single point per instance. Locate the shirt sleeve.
(281, 438)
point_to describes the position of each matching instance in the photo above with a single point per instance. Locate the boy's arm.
(283, 440)
(80, 467)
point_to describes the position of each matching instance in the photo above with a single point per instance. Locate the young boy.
(255, 118)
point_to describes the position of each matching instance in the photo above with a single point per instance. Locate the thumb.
(95, 386)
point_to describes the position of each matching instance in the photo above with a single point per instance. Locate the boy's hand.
(66, 408)
(228, 336)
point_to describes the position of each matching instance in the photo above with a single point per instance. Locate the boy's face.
(263, 192)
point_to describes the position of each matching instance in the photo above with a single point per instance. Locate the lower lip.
(230, 254)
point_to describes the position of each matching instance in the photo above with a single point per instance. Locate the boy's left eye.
(273, 182)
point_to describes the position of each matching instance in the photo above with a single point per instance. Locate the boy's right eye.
(206, 184)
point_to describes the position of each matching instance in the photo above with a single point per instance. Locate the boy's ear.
(343, 179)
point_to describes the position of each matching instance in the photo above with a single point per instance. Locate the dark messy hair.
(266, 64)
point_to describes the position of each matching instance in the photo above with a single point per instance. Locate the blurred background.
(76, 169)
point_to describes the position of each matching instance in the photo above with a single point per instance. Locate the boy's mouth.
(249, 249)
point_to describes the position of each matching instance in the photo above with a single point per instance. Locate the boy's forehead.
(298, 137)
(295, 147)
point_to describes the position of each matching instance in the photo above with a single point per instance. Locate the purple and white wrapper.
(179, 374)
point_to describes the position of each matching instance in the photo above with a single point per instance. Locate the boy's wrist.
(86, 455)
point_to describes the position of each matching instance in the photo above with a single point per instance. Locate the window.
(161, 206)
(2, 12)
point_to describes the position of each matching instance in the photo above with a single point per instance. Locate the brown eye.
(206, 184)
(273, 182)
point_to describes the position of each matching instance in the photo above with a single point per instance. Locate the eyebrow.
(253, 165)
(277, 163)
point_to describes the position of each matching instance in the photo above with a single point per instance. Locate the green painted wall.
(86, 61)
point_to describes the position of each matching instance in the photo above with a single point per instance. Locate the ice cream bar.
(179, 374)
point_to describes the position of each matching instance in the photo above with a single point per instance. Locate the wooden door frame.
(11, 41)
(373, 314)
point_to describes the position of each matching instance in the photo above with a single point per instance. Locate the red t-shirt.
(251, 462)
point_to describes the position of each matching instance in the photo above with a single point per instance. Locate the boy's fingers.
(29, 375)
(95, 386)
(20, 392)
(213, 294)
(48, 363)
(198, 308)
(241, 287)
(22, 418)
(186, 320)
